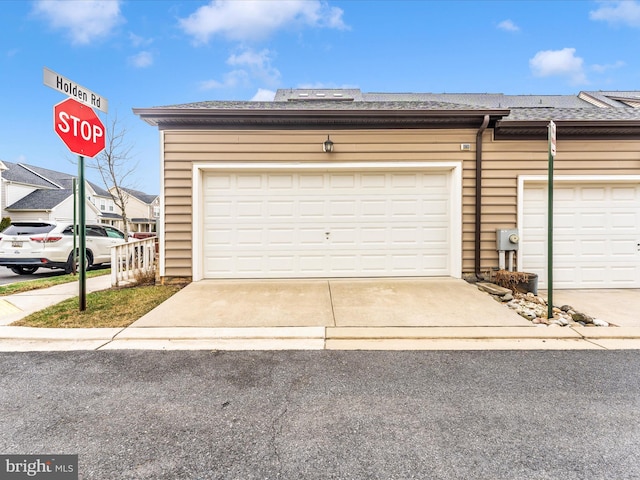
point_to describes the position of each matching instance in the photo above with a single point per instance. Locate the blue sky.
(141, 53)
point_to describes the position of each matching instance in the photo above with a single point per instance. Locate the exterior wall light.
(327, 146)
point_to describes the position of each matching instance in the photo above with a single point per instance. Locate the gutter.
(478, 220)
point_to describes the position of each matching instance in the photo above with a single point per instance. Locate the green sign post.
(552, 154)
(78, 126)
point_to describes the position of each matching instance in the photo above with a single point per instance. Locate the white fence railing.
(133, 258)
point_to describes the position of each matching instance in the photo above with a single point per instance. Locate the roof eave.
(169, 118)
(569, 129)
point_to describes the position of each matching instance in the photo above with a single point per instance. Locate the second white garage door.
(326, 224)
(596, 234)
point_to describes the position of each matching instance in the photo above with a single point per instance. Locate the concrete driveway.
(403, 302)
(619, 307)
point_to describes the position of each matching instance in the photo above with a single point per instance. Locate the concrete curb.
(445, 333)
(319, 338)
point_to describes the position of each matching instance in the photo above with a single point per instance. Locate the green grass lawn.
(38, 283)
(117, 307)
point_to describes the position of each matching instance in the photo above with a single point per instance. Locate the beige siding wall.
(504, 161)
(183, 149)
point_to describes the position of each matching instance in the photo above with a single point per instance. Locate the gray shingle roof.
(59, 178)
(21, 173)
(113, 216)
(44, 177)
(486, 100)
(41, 199)
(328, 105)
(99, 190)
(343, 94)
(612, 98)
(573, 114)
(313, 108)
(145, 197)
(143, 220)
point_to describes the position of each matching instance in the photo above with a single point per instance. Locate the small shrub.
(511, 280)
(6, 221)
(147, 277)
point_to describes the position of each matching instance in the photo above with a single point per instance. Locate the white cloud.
(626, 12)
(232, 79)
(257, 19)
(84, 21)
(562, 63)
(508, 26)
(253, 66)
(321, 85)
(264, 95)
(138, 41)
(607, 66)
(258, 63)
(141, 60)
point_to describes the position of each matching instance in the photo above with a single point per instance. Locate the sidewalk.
(468, 337)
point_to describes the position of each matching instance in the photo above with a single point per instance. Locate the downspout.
(478, 221)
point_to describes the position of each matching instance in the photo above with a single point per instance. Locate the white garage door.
(596, 235)
(326, 224)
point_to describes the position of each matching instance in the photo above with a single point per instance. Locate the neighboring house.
(340, 183)
(143, 210)
(28, 192)
(34, 193)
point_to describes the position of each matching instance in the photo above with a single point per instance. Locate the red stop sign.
(79, 127)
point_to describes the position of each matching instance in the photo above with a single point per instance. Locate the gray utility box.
(507, 240)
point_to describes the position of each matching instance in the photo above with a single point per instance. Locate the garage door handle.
(327, 234)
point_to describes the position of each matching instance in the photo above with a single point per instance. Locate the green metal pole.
(82, 234)
(74, 258)
(550, 235)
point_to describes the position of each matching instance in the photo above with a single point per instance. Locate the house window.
(103, 205)
(111, 207)
(156, 212)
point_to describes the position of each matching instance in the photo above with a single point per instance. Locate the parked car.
(27, 246)
(142, 235)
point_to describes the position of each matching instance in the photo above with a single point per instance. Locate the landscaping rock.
(492, 288)
(581, 317)
(534, 308)
(507, 298)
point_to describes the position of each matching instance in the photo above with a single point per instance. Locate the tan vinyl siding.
(184, 148)
(503, 161)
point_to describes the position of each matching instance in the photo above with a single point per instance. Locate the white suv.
(27, 246)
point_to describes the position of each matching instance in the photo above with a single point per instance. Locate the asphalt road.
(7, 276)
(327, 415)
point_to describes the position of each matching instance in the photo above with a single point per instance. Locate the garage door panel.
(596, 235)
(246, 209)
(313, 263)
(372, 180)
(276, 182)
(280, 263)
(326, 224)
(342, 181)
(624, 195)
(594, 249)
(623, 222)
(374, 209)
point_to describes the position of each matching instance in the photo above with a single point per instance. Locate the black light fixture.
(327, 146)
